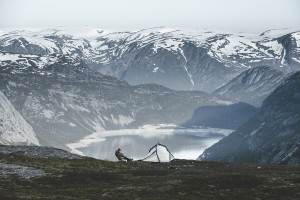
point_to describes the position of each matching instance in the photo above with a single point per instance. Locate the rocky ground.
(25, 176)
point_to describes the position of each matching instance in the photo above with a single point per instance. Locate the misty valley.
(60, 87)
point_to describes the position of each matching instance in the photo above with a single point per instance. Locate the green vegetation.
(95, 179)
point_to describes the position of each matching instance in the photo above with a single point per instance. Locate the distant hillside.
(223, 116)
(271, 136)
(253, 85)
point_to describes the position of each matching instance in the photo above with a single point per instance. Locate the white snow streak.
(283, 56)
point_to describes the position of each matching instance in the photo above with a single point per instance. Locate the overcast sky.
(253, 16)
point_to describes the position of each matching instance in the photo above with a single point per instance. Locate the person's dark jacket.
(121, 156)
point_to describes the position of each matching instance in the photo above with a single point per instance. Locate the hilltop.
(63, 176)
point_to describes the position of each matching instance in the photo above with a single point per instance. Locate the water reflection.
(184, 146)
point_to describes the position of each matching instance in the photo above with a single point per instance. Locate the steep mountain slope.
(65, 101)
(179, 59)
(13, 127)
(253, 85)
(272, 136)
(291, 51)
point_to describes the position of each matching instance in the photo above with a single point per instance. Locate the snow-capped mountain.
(179, 59)
(64, 100)
(14, 130)
(253, 85)
(271, 136)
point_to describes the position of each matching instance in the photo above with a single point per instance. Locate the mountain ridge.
(178, 59)
(253, 86)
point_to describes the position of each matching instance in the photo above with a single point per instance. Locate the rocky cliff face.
(253, 86)
(179, 59)
(14, 130)
(272, 136)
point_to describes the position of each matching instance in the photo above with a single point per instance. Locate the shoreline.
(146, 131)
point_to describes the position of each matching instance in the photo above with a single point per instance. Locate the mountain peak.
(181, 59)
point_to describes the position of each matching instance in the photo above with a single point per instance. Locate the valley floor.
(87, 178)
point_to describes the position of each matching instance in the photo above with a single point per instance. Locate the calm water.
(135, 143)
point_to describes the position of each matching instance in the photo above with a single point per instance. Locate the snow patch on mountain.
(283, 56)
(169, 44)
(122, 120)
(9, 57)
(27, 59)
(297, 39)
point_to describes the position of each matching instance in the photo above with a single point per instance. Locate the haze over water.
(135, 143)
